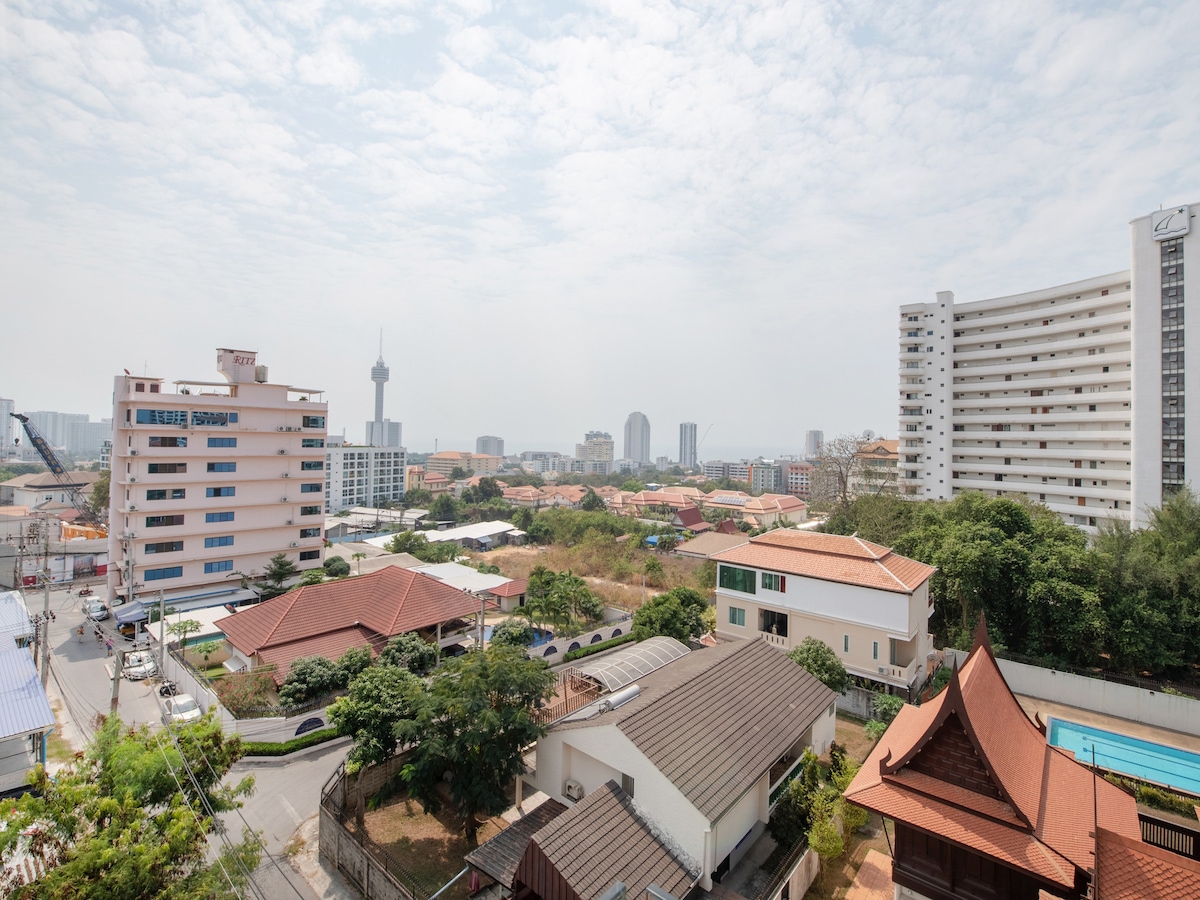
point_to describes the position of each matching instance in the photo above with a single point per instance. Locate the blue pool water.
(1151, 762)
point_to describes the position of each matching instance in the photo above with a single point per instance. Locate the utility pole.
(118, 662)
(46, 625)
(162, 647)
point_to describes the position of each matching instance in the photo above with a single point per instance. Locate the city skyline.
(549, 182)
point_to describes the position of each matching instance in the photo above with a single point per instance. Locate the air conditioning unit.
(183, 424)
(883, 670)
(283, 452)
(289, 522)
(283, 499)
(287, 474)
(133, 478)
(294, 544)
(132, 508)
(133, 453)
(574, 789)
(293, 429)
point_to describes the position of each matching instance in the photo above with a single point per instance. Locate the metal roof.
(23, 706)
(14, 617)
(626, 666)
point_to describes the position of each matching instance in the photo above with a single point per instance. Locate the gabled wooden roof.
(970, 767)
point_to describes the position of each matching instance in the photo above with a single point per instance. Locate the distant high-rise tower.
(381, 432)
(687, 445)
(812, 443)
(637, 438)
(489, 445)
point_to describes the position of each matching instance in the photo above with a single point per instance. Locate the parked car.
(95, 609)
(138, 665)
(181, 708)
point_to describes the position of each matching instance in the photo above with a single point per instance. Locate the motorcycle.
(168, 689)
(85, 592)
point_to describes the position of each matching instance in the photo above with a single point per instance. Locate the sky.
(561, 213)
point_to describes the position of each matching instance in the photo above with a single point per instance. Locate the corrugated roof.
(23, 705)
(14, 617)
(831, 557)
(600, 840)
(624, 667)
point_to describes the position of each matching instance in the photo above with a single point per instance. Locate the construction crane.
(59, 471)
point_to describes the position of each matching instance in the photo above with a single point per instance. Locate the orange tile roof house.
(869, 604)
(984, 807)
(328, 619)
(758, 512)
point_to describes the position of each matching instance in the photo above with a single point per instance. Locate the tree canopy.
(819, 660)
(679, 613)
(378, 700)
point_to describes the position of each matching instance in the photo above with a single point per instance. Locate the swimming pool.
(1156, 763)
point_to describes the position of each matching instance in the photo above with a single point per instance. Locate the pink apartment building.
(212, 479)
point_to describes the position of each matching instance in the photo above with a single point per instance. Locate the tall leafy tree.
(819, 660)
(378, 700)
(474, 722)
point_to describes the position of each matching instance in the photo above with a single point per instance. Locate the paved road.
(286, 794)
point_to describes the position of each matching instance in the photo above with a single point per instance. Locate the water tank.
(623, 696)
(260, 374)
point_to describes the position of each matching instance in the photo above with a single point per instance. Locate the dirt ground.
(430, 847)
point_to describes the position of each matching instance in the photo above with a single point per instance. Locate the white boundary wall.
(1169, 711)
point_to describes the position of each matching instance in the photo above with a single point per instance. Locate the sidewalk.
(1047, 710)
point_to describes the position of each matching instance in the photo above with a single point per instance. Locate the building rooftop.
(23, 705)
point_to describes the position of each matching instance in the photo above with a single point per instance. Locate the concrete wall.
(562, 646)
(1108, 698)
(338, 847)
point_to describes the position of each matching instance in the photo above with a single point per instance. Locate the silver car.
(139, 664)
(95, 609)
(181, 708)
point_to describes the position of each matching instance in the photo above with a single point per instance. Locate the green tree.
(632, 485)
(489, 489)
(411, 652)
(378, 700)
(679, 613)
(313, 576)
(351, 663)
(458, 473)
(592, 502)
(278, 570)
(474, 723)
(419, 498)
(309, 677)
(358, 558)
(443, 509)
(207, 649)
(792, 816)
(523, 518)
(125, 820)
(181, 628)
(336, 567)
(819, 660)
(667, 541)
(98, 498)
(513, 633)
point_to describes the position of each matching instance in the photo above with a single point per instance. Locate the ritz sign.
(243, 360)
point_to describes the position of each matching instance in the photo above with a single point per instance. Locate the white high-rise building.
(7, 433)
(812, 443)
(212, 480)
(362, 476)
(1026, 395)
(687, 444)
(595, 454)
(637, 438)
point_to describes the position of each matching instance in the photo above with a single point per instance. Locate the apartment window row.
(736, 579)
(166, 468)
(309, 554)
(160, 574)
(218, 517)
(222, 442)
(163, 521)
(310, 511)
(311, 488)
(311, 465)
(310, 532)
(220, 492)
(313, 421)
(165, 494)
(222, 467)
(140, 387)
(312, 442)
(224, 565)
(164, 547)
(773, 582)
(225, 540)
(160, 441)
(1173, 471)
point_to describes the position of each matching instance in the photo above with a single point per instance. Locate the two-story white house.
(871, 605)
(703, 746)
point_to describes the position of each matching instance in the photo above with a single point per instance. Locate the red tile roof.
(1132, 870)
(328, 619)
(831, 557)
(511, 588)
(1037, 814)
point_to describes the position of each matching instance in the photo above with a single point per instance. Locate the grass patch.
(596, 648)
(294, 845)
(272, 748)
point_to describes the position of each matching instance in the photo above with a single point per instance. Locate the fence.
(798, 870)
(561, 646)
(1102, 692)
(376, 873)
(1170, 836)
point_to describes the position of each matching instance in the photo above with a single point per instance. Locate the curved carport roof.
(624, 667)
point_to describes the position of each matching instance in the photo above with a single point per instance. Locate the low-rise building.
(26, 719)
(445, 462)
(871, 605)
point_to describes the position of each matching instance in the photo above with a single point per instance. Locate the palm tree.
(358, 558)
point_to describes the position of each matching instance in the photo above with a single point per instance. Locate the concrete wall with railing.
(1108, 698)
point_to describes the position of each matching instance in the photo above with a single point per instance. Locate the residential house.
(702, 745)
(473, 482)
(877, 469)
(36, 489)
(983, 806)
(567, 495)
(511, 595)
(871, 605)
(418, 478)
(328, 619)
(711, 543)
(26, 717)
(664, 502)
(766, 511)
(527, 497)
(690, 519)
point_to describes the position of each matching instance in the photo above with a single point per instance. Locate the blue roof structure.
(23, 705)
(14, 618)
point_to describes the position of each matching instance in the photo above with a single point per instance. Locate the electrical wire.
(238, 810)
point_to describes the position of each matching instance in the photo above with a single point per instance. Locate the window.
(164, 547)
(160, 574)
(218, 517)
(224, 565)
(875, 650)
(162, 521)
(312, 442)
(166, 468)
(309, 554)
(222, 442)
(772, 622)
(773, 582)
(737, 616)
(737, 579)
(163, 494)
(313, 421)
(205, 419)
(222, 467)
(157, 441)
(845, 643)
(161, 417)
(312, 465)
(310, 532)
(310, 510)
(220, 492)
(225, 540)
(310, 488)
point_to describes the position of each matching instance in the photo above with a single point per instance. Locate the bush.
(679, 613)
(1156, 798)
(818, 658)
(353, 661)
(336, 567)
(242, 691)
(596, 648)
(407, 651)
(513, 632)
(309, 677)
(270, 748)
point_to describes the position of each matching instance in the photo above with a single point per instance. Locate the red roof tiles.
(1132, 870)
